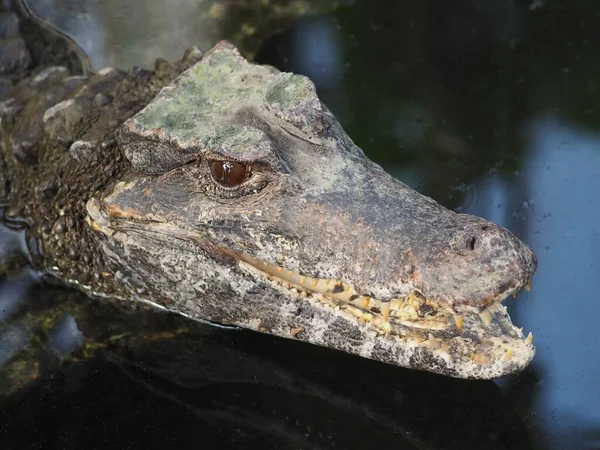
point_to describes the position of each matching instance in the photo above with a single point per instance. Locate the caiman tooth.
(357, 302)
(486, 317)
(366, 301)
(459, 319)
(385, 310)
(508, 356)
(529, 338)
(320, 286)
(387, 327)
(435, 344)
(528, 286)
(396, 304)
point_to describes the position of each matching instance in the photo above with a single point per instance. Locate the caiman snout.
(485, 264)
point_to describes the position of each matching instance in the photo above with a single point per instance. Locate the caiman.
(227, 191)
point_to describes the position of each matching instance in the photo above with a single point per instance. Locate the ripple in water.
(470, 195)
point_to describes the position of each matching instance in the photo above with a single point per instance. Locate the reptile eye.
(230, 174)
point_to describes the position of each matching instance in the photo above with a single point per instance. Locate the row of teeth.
(379, 313)
(404, 311)
(335, 293)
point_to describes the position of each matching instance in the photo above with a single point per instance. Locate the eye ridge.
(230, 174)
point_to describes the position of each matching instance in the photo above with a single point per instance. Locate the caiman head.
(247, 204)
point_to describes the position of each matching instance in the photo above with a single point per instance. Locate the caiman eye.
(230, 174)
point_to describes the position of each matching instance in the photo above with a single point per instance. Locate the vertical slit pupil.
(229, 173)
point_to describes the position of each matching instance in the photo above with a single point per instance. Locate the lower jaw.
(478, 352)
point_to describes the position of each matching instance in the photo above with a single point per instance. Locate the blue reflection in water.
(317, 54)
(563, 310)
(13, 297)
(553, 205)
(12, 340)
(65, 338)
(13, 292)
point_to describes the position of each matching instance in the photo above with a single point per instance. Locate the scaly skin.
(114, 173)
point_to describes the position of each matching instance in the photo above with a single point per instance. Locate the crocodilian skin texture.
(317, 244)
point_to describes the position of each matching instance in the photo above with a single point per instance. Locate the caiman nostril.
(472, 236)
(471, 243)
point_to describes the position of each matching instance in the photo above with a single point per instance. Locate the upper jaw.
(499, 266)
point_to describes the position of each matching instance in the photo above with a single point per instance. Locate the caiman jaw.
(410, 317)
(412, 331)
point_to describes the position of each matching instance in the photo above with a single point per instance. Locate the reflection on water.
(490, 108)
(565, 164)
(66, 338)
(163, 379)
(124, 34)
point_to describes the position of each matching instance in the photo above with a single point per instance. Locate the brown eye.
(229, 173)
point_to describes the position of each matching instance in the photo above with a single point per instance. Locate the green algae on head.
(194, 114)
(293, 98)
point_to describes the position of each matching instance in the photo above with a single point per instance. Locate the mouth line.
(412, 314)
(411, 311)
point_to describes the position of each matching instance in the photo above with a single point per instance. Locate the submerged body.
(226, 191)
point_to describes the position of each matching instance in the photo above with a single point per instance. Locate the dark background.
(489, 107)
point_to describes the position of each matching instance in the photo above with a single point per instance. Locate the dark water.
(491, 108)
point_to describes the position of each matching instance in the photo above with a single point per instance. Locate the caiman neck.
(58, 149)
